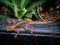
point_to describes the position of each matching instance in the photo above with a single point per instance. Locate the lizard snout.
(9, 28)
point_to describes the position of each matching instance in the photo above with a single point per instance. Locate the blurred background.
(45, 10)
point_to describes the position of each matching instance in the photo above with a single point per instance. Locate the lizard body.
(24, 24)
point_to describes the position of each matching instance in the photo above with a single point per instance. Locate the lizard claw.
(32, 32)
(15, 36)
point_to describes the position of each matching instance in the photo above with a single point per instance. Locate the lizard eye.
(8, 28)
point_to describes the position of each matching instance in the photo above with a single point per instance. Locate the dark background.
(28, 40)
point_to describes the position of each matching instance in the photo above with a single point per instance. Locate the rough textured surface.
(53, 28)
(48, 34)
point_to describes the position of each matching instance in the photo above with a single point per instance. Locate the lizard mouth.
(9, 28)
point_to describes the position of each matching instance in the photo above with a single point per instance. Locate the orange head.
(9, 28)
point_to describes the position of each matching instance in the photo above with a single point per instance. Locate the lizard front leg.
(17, 32)
(10, 28)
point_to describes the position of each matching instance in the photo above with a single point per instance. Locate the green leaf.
(51, 8)
(29, 15)
(22, 3)
(4, 16)
(26, 3)
(6, 2)
(20, 19)
(59, 16)
(35, 4)
(24, 11)
(16, 11)
(34, 13)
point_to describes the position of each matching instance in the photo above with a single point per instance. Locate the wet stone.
(36, 27)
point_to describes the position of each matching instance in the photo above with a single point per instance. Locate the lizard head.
(9, 28)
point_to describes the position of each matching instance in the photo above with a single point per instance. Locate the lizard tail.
(33, 22)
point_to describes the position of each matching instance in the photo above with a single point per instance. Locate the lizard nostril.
(8, 28)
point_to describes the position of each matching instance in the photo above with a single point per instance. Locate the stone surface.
(53, 28)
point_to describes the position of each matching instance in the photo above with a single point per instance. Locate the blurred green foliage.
(22, 8)
(4, 16)
(51, 8)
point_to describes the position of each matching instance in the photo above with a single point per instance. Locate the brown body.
(25, 24)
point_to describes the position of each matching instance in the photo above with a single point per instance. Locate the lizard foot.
(31, 32)
(15, 36)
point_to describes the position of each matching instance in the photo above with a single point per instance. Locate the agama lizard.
(24, 24)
